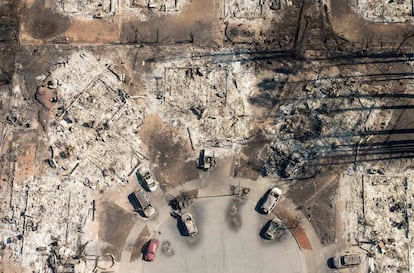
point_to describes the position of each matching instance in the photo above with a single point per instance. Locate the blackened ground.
(394, 146)
(173, 160)
(36, 61)
(316, 199)
(140, 245)
(9, 26)
(115, 224)
(9, 23)
(44, 23)
(250, 164)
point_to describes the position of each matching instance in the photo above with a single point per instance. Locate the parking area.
(223, 243)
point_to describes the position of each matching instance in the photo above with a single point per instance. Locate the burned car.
(145, 203)
(274, 229)
(147, 179)
(189, 224)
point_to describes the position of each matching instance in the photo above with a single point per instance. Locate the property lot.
(221, 101)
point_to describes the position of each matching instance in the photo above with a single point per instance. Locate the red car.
(151, 249)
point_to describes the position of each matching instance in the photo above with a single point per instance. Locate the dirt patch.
(26, 161)
(316, 199)
(44, 23)
(7, 265)
(142, 239)
(93, 31)
(322, 214)
(114, 226)
(45, 96)
(36, 62)
(29, 3)
(173, 161)
(18, 158)
(250, 165)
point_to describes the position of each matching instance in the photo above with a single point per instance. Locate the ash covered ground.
(286, 90)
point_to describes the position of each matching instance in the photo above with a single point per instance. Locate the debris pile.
(379, 219)
(247, 9)
(208, 101)
(94, 126)
(160, 5)
(59, 260)
(327, 117)
(184, 200)
(93, 8)
(239, 199)
(45, 223)
(384, 11)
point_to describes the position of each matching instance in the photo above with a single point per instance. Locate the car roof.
(187, 218)
(142, 198)
(276, 190)
(269, 201)
(274, 225)
(186, 215)
(190, 225)
(149, 211)
(352, 259)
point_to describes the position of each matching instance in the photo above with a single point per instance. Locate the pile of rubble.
(384, 11)
(93, 124)
(160, 5)
(91, 8)
(379, 219)
(252, 22)
(324, 118)
(247, 9)
(47, 218)
(206, 101)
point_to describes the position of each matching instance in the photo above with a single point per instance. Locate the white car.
(189, 224)
(147, 179)
(271, 200)
(347, 260)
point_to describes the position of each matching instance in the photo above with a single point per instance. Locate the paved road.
(220, 247)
